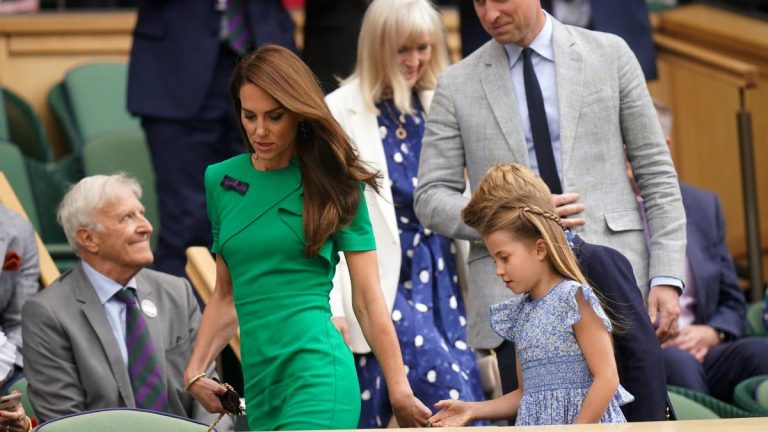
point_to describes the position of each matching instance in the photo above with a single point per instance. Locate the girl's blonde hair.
(386, 24)
(511, 198)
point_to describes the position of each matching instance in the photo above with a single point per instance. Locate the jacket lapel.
(497, 84)
(94, 312)
(371, 150)
(569, 72)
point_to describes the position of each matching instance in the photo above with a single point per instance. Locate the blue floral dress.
(556, 377)
(428, 313)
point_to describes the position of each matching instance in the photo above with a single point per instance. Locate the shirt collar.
(542, 44)
(105, 287)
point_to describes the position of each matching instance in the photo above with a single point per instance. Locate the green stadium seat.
(24, 128)
(745, 395)
(96, 96)
(121, 420)
(717, 407)
(125, 151)
(755, 323)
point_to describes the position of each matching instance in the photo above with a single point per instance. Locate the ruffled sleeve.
(573, 315)
(504, 317)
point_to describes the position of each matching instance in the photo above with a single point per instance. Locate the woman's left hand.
(410, 412)
(14, 420)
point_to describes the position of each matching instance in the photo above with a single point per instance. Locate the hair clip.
(234, 184)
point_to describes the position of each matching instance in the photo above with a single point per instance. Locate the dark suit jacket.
(73, 361)
(719, 300)
(175, 49)
(637, 350)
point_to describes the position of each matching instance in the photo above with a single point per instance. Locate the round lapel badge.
(149, 308)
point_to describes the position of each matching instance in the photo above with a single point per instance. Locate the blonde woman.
(383, 107)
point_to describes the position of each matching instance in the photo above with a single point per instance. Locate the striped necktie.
(143, 368)
(237, 32)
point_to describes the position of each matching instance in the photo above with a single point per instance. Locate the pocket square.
(234, 184)
(12, 261)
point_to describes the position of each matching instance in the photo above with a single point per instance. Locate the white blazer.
(346, 104)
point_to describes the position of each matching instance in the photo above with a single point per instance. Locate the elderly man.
(109, 333)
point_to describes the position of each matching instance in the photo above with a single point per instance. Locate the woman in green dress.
(280, 215)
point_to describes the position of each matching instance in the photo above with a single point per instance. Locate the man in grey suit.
(19, 280)
(592, 101)
(79, 354)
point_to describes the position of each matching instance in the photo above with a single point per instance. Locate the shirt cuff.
(666, 280)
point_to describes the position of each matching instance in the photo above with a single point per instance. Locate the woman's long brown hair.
(331, 170)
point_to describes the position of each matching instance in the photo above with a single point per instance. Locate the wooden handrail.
(744, 73)
(201, 270)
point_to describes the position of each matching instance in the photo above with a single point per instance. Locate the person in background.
(19, 6)
(109, 332)
(182, 56)
(331, 29)
(281, 214)
(709, 355)
(383, 106)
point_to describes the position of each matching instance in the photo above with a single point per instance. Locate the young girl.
(565, 360)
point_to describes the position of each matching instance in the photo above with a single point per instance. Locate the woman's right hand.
(207, 392)
(452, 413)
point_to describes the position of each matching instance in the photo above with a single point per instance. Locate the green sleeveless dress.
(298, 372)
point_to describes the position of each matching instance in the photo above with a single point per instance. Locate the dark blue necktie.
(537, 114)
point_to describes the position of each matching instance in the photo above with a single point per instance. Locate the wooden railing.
(713, 67)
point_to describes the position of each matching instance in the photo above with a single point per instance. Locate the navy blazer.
(719, 300)
(638, 354)
(175, 48)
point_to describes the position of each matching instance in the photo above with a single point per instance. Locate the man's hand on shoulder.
(566, 206)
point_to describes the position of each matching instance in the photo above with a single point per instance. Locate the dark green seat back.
(96, 94)
(13, 164)
(687, 409)
(755, 323)
(24, 128)
(744, 395)
(57, 102)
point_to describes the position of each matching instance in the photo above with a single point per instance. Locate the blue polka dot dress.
(428, 313)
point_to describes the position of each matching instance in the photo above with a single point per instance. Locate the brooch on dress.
(234, 184)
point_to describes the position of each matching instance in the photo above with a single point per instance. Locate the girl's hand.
(410, 412)
(207, 392)
(452, 413)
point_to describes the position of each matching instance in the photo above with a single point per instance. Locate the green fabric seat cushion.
(121, 420)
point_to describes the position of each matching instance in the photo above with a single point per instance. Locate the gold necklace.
(400, 132)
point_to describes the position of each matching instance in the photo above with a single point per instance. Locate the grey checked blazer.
(604, 103)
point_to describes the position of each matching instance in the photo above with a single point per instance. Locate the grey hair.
(86, 198)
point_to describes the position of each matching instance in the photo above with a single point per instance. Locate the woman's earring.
(303, 128)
